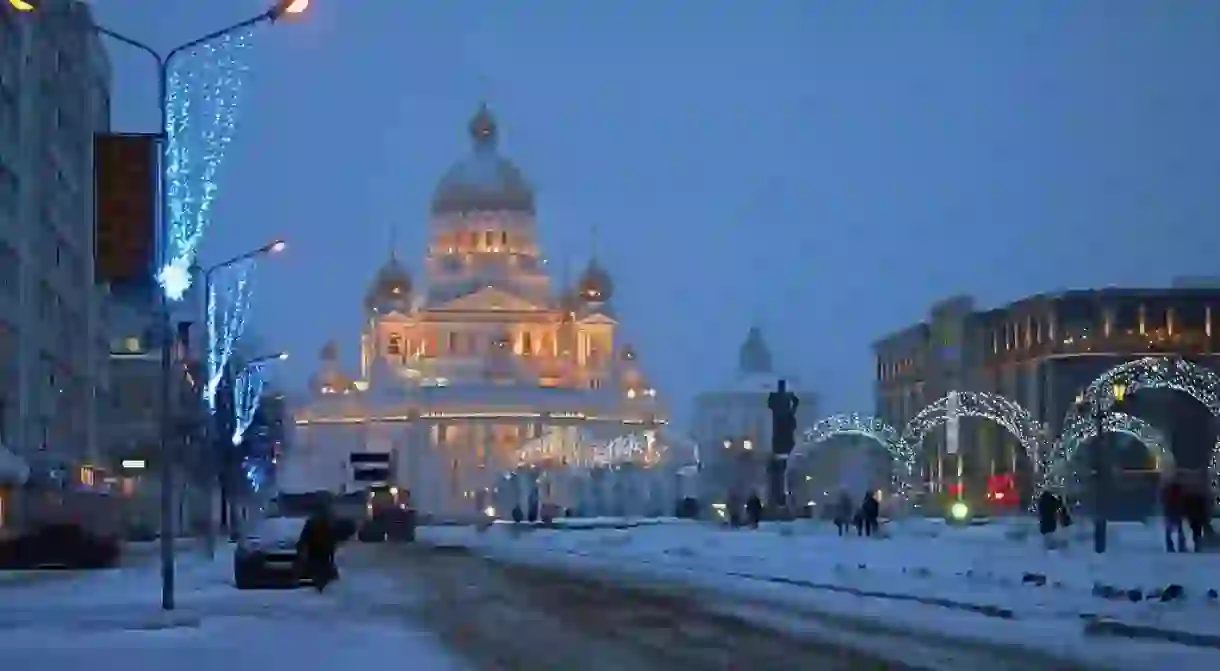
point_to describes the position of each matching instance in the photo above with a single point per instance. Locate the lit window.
(395, 345)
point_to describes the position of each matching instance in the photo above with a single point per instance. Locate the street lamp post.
(164, 62)
(223, 466)
(1100, 461)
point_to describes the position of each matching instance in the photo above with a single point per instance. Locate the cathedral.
(478, 370)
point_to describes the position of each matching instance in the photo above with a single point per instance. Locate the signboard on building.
(125, 193)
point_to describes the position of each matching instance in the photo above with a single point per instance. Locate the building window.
(453, 342)
(504, 238)
(395, 345)
(488, 239)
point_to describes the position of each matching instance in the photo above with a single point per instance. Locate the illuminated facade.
(484, 368)
(1041, 352)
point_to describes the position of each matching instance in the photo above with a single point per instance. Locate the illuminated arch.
(1082, 431)
(1198, 382)
(1008, 414)
(902, 459)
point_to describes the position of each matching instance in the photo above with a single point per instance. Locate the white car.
(267, 555)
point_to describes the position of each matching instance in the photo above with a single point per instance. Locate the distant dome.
(595, 285)
(391, 286)
(330, 351)
(483, 181)
(755, 356)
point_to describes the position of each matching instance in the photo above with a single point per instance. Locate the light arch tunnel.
(1053, 461)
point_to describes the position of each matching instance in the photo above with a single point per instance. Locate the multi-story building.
(54, 96)
(483, 369)
(1042, 352)
(732, 425)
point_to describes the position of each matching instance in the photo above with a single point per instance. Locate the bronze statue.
(783, 405)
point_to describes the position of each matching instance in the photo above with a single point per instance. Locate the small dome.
(392, 286)
(330, 351)
(595, 285)
(484, 181)
(755, 356)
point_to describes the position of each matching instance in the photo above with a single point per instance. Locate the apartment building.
(54, 97)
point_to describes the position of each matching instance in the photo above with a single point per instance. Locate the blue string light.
(247, 393)
(228, 311)
(203, 98)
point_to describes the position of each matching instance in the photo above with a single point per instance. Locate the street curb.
(1097, 626)
(978, 609)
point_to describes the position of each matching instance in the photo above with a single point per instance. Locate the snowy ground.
(76, 620)
(974, 573)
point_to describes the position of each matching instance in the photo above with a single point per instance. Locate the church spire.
(483, 128)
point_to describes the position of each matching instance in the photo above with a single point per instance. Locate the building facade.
(1042, 352)
(484, 368)
(732, 425)
(54, 96)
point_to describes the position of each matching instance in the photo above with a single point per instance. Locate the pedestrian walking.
(1050, 512)
(870, 514)
(843, 512)
(317, 545)
(754, 510)
(1173, 512)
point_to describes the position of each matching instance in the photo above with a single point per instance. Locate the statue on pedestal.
(783, 405)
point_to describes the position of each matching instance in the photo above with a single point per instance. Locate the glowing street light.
(289, 8)
(260, 360)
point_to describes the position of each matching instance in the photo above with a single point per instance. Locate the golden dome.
(595, 285)
(483, 181)
(391, 287)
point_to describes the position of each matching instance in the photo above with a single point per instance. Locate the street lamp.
(174, 278)
(1099, 458)
(273, 247)
(260, 360)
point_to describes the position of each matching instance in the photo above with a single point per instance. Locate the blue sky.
(824, 168)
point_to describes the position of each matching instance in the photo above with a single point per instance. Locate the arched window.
(395, 345)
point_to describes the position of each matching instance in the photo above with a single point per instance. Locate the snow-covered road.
(933, 583)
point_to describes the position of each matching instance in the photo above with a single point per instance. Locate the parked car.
(267, 554)
(60, 546)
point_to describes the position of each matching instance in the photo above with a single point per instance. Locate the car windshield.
(277, 529)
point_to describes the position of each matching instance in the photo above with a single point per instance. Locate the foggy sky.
(825, 169)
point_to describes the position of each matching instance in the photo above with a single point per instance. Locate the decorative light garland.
(1082, 430)
(247, 393)
(1003, 411)
(228, 310)
(903, 457)
(203, 98)
(1198, 382)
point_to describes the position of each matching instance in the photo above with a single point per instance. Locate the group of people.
(865, 517)
(1186, 505)
(1183, 505)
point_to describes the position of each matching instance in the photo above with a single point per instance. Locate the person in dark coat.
(317, 544)
(1195, 511)
(1173, 509)
(843, 512)
(1050, 512)
(754, 510)
(870, 514)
